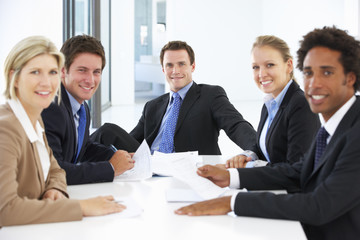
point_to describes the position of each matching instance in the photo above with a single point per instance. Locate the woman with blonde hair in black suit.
(287, 124)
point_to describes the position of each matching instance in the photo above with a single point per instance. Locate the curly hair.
(334, 39)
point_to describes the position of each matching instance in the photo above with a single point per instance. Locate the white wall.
(122, 53)
(23, 18)
(221, 33)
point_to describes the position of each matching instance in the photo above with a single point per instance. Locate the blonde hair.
(21, 54)
(278, 44)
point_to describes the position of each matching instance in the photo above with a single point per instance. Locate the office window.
(92, 17)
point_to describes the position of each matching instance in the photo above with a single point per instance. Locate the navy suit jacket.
(204, 111)
(292, 129)
(92, 164)
(328, 199)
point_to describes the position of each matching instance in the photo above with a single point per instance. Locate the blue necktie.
(321, 138)
(167, 139)
(81, 129)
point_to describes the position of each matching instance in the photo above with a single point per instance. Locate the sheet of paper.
(161, 163)
(185, 168)
(142, 166)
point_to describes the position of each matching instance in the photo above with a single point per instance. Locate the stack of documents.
(182, 166)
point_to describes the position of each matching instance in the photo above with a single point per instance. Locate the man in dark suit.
(204, 110)
(323, 186)
(92, 161)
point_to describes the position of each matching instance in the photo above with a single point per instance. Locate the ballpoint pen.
(113, 147)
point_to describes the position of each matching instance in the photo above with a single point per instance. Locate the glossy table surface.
(157, 219)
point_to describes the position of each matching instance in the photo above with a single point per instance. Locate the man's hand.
(53, 194)
(121, 161)
(219, 176)
(238, 161)
(217, 206)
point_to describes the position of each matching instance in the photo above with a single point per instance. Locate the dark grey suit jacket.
(204, 111)
(292, 129)
(328, 201)
(93, 165)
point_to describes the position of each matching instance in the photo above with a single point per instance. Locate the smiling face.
(83, 76)
(327, 87)
(177, 69)
(271, 73)
(37, 84)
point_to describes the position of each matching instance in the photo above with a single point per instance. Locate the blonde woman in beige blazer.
(32, 185)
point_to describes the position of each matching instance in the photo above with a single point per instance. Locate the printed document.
(142, 166)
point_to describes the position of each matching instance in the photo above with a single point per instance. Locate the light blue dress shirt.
(182, 92)
(75, 106)
(272, 106)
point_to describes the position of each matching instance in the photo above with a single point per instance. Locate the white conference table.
(157, 220)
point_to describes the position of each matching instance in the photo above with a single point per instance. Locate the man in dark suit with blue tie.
(190, 117)
(67, 124)
(323, 187)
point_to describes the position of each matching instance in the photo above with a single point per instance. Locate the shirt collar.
(268, 97)
(335, 119)
(182, 92)
(19, 111)
(75, 105)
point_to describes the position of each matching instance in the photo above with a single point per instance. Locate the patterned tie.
(321, 137)
(167, 139)
(81, 128)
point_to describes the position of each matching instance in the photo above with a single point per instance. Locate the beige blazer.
(22, 181)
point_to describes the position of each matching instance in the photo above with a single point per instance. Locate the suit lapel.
(38, 166)
(66, 101)
(192, 95)
(263, 117)
(342, 128)
(158, 115)
(292, 88)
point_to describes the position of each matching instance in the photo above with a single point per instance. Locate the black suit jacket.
(92, 164)
(292, 130)
(204, 111)
(328, 201)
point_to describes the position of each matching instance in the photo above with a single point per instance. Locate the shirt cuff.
(232, 202)
(234, 178)
(251, 154)
(250, 164)
(256, 163)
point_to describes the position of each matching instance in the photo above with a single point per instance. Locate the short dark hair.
(82, 44)
(177, 45)
(334, 39)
